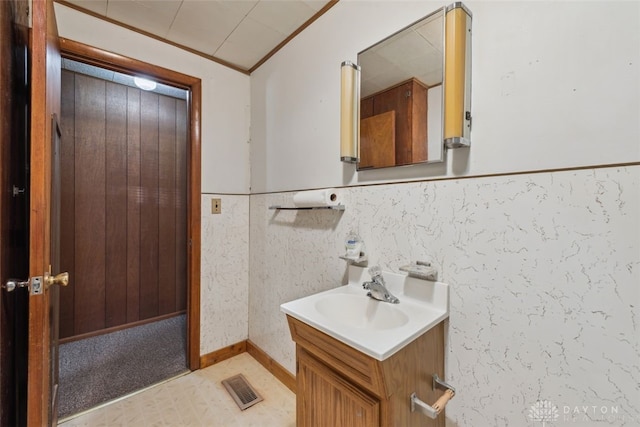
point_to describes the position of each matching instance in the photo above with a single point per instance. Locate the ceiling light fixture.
(144, 84)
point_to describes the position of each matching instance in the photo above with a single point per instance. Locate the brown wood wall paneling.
(90, 236)
(148, 211)
(182, 142)
(133, 205)
(67, 202)
(166, 204)
(116, 205)
(125, 184)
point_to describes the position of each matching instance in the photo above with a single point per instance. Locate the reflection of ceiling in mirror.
(416, 52)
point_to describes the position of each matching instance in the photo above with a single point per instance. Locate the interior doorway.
(122, 234)
(123, 210)
(146, 178)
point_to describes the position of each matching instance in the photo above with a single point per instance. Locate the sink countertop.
(423, 304)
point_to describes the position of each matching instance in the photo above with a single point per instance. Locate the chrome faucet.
(377, 288)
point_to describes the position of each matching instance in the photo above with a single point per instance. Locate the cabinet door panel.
(399, 100)
(326, 399)
(378, 141)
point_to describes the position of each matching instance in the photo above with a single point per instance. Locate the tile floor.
(199, 399)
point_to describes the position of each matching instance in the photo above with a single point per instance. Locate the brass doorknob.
(61, 279)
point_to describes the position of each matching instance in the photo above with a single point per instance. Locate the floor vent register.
(241, 391)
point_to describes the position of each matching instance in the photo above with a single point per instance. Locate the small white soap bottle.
(353, 245)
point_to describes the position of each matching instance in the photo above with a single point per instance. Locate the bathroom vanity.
(340, 386)
(358, 360)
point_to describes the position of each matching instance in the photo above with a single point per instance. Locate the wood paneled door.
(14, 209)
(124, 204)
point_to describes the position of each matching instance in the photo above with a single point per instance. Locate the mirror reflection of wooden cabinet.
(399, 138)
(378, 141)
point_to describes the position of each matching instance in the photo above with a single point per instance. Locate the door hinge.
(17, 191)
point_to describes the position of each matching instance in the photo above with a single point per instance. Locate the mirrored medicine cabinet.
(408, 96)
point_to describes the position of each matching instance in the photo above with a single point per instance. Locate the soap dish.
(355, 260)
(421, 270)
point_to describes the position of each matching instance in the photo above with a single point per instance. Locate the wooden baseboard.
(120, 327)
(223, 354)
(276, 369)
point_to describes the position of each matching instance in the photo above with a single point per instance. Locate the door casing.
(94, 56)
(45, 102)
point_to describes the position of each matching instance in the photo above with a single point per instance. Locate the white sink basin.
(376, 328)
(361, 313)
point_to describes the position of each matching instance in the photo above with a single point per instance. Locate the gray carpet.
(102, 368)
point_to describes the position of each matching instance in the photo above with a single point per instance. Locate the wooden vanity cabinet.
(409, 102)
(338, 385)
(330, 400)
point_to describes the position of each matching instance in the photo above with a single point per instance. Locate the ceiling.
(239, 33)
(414, 52)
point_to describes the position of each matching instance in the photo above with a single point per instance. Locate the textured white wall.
(554, 85)
(225, 95)
(224, 278)
(544, 271)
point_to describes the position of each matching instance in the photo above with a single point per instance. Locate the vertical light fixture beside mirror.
(457, 76)
(350, 112)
